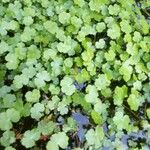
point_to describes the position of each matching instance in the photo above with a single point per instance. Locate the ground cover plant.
(74, 75)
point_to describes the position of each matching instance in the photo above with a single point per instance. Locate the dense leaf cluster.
(74, 74)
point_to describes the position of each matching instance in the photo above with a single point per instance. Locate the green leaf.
(49, 53)
(13, 115)
(96, 117)
(10, 148)
(63, 47)
(79, 99)
(64, 17)
(94, 137)
(71, 125)
(100, 44)
(114, 9)
(4, 47)
(100, 27)
(23, 109)
(6, 118)
(125, 26)
(5, 123)
(20, 80)
(33, 96)
(51, 145)
(137, 85)
(8, 100)
(106, 92)
(29, 72)
(67, 85)
(12, 61)
(13, 25)
(63, 105)
(30, 137)
(33, 52)
(121, 121)
(99, 134)
(95, 5)
(53, 104)
(100, 107)
(92, 94)
(61, 139)
(63, 109)
(67, 46)
(28, 20)
(27, 36)
(90, 137)
(8, 138)
(54, 89)
(4, 90)
(148, 112)
(68, 62)
(83, 76)
(51, 26)
(135, 100)
(102, 82)
(137, 37)
(110, 55)
(37, 111)
(114, 31)
(119, 95)
(80, 3)
(126, 71)
(46, 127)
(41, 78)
